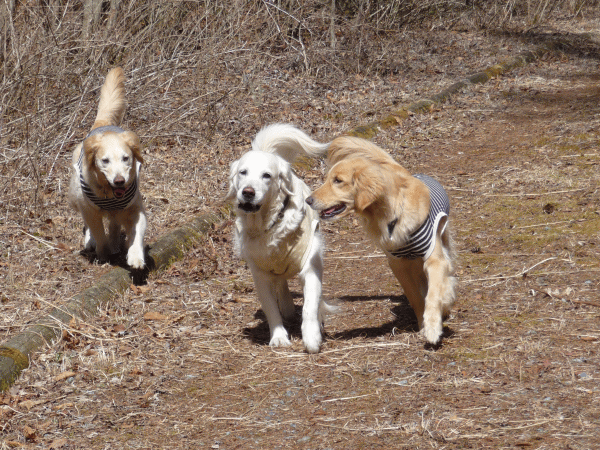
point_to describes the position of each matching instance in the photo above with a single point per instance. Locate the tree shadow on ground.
(405, 322)
(569, 43)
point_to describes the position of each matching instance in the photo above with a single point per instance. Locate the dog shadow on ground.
(405, 322)
(139, 277)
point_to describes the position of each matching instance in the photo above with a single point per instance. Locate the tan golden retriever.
(105, 179)
(406, 216)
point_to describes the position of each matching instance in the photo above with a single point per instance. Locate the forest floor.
(183, 361)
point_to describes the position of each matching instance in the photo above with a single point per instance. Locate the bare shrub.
(191, 66)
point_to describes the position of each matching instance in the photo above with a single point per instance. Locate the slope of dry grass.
(182, 361)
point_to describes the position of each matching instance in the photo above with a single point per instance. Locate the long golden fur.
(392, 204)
(109, 168)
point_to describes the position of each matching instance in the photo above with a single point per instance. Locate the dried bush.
(189, 62)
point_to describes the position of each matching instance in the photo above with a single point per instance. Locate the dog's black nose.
(248, 193)
(310, 200)
(119, 181)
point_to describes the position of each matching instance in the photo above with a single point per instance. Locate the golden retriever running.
(276, 233)
(405, 216)
(104, 182)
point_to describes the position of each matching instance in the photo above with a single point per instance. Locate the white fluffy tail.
(112, 99)
(287, 141)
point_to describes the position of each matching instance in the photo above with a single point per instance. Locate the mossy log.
(426, 105)
(15, 353)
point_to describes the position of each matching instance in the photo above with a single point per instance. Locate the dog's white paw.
(311, 336)
(280, 338)
(135, 259)
(432, 329)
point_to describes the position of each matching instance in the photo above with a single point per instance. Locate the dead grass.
(183, 361)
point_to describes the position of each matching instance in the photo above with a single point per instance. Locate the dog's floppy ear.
(369, 186)
(133, 142)
(286, 177)
(233, 169)
(91, 146)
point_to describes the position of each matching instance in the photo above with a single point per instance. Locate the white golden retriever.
(104, 182)
(276, 232)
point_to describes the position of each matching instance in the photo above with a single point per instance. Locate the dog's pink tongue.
(119, 192)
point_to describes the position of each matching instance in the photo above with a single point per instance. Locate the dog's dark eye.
(105, 160)
(337, 180)
(243, 172)
(125, 158)
(266, 176)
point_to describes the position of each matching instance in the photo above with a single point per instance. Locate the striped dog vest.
(420, 244)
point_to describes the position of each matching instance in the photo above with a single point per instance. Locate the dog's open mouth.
(248, 207)
(333, 211)
(119, 192)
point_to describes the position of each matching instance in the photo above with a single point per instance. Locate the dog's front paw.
(135, 259)
(432, 329)
(280, 338)
(311, 336)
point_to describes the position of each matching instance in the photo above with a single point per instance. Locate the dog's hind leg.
(284, 299)
(266, 291)
(114, 235)
(95, 234)
(409, 273)
(311, 278)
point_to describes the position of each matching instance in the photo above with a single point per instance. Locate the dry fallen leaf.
(118, 328)
(57, 443)
(64, 405)
(64, 375)
(31, 403)
(153, 315)
(29, 433)
(138, 290)
(63, 247)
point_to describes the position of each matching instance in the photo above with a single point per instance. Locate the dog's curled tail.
(112, 99)
(288, 142)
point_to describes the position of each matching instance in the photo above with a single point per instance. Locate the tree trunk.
(7, 9)
(91, 17)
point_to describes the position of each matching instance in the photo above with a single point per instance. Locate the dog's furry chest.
(282, 257)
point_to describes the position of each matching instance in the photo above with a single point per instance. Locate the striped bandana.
(420, 244)
(107, 204)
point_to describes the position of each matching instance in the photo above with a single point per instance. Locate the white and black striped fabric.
(420, 244)
(107, 204)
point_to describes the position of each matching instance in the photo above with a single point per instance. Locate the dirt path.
(182, 362)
